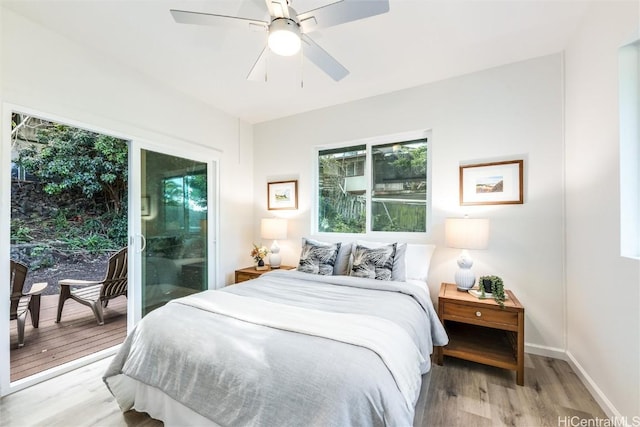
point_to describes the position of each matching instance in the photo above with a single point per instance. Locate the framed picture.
(282, 195)
(497, 183)
(144, 206)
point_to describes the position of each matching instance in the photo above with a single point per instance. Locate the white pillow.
(399, 272)
(418, 258)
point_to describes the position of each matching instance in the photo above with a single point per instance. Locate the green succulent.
(497, 288)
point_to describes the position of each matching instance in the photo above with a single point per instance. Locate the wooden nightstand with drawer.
(248, 273)
(481, 331)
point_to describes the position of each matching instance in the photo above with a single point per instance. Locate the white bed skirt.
(132, 394)
(144, 398)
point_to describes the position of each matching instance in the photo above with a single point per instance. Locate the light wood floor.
(460, 394)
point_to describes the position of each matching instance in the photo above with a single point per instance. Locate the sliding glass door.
(168, 221)
(175, 209)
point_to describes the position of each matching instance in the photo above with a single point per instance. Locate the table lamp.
(466, 233)
(274, 228)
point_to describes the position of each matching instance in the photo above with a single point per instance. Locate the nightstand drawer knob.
(478, 314)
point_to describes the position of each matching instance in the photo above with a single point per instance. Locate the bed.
(289, 348)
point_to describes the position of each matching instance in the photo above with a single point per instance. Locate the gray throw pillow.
(399, 272)
(318, 258)
(373, 263)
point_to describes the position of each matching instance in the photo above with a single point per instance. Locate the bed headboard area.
(410, 261)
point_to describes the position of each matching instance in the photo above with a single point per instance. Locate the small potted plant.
(492, 285)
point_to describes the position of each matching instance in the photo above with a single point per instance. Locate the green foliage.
(20, 233)
(42, 256)
(411, 162)
(87, 174)
(117, 228)
(60, 222)
(93, 225)
(398, 199)
(497, 288)
(94, 243)
(398, 217)
(333, 221)
(73, 159)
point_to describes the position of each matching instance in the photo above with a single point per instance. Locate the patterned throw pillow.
(317, 258)
(373, 263)
(399, 272)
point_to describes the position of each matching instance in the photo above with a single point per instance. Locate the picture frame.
(282, 195)
(144, 206)
(495, 183)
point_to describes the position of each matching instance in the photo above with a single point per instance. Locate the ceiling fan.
(287, 30)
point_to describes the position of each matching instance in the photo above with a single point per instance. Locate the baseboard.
(540, 350)
(593, 388)
(588, 382)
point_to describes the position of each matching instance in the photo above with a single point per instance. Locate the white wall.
(513, 111)
(46, 72)
(603, 289)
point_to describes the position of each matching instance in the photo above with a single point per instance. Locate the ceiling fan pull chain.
(301, 70)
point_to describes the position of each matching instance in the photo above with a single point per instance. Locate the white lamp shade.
(467, 233)
(273, 228)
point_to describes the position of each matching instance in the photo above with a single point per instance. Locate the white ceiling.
(417, 42)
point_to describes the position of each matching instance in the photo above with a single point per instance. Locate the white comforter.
(290, 349)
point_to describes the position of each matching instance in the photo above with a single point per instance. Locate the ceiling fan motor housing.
(284, 36)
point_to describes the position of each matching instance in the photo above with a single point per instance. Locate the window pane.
(405, 216)
(341, 190)
(399, 186)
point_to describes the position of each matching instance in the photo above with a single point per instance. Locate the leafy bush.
(73, 159)
(86, 173)
(97, 243)
(42, 256)
(60, 221)
(20, 233)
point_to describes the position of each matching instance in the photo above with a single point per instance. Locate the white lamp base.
(274, 257)
(465, 278)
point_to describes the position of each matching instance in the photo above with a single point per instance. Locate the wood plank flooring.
(465, 393)
(460, 393)
(77, 335)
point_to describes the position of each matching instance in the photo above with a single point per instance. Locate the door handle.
(143, 242)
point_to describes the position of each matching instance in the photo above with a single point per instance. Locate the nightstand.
(480, 331)
(248, 273)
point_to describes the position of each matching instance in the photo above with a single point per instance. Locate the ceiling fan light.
(284, 37)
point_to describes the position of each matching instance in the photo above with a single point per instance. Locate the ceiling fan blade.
(322, 59)
(278, 8)
(340, 12)
(259, 70)
(199, 18)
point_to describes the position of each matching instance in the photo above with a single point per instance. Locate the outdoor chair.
(22, 302)
(96, 294)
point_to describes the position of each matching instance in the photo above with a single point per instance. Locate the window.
(379, 187)
(629, 100)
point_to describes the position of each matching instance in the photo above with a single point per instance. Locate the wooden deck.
(77, 335)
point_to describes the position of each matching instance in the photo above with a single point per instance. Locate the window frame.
(369, 143)
(629, 146)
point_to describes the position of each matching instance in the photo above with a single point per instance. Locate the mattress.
(289, 348)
